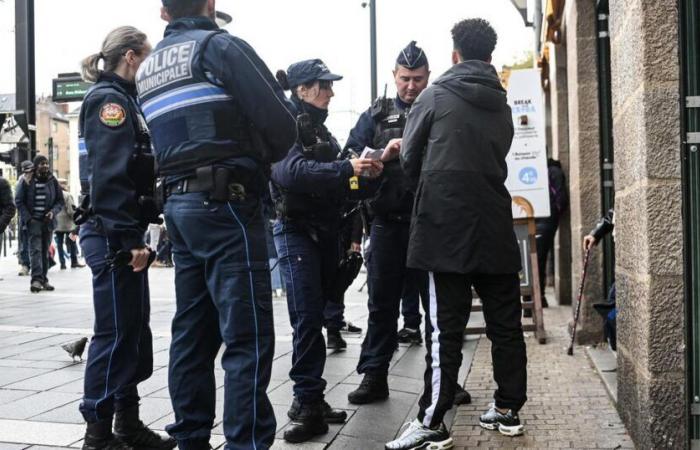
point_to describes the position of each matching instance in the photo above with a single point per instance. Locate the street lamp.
(223, 19)
(372, 44)
(521, 6)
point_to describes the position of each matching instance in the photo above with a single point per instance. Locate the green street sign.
(71, 89)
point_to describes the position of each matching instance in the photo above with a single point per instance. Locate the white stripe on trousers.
(434, 352)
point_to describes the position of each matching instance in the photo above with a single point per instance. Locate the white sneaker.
(417, 436)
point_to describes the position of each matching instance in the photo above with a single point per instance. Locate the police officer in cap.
(118, 175)
(310, 188)
(381, 127)
(218, 119)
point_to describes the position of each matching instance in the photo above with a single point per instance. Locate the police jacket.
(24, 199)
(454, 149)
(7, 205)
(112, 131)
(384, 121)
(208, 98)
(312, 188)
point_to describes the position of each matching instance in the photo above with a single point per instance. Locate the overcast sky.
(281, 31)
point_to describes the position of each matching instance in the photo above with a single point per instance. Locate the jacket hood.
(475, 82)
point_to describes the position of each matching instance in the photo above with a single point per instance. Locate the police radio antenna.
(386, 85)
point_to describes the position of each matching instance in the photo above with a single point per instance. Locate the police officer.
(310, 187)
(218, 118)
(381, 127)
(114, 166)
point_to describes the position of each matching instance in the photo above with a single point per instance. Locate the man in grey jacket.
(453, 152)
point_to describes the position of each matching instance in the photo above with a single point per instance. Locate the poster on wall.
(528, 182)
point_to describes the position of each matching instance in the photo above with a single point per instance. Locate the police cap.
(309, 70)
(412, 57)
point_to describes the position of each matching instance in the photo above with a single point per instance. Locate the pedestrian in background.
(27, 169)
(39, 201)
(547, 227)
(64, 227)
(7, 204)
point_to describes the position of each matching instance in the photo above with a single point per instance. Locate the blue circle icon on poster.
(528, 175)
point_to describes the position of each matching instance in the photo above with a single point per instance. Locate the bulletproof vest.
(142, 143)
(316, 206)
(390, 122)
(392, 197)
(194, 120)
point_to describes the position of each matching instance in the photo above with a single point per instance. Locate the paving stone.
(36, 404)
(9, 446)
(9, 375)
(8, 395)
(47, 381)
(382, 420)
(41, 433)
(64, 414)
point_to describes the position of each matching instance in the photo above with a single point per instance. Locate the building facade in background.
(53, 135)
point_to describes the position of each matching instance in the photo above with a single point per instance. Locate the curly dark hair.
(183, 8)
(474, 39)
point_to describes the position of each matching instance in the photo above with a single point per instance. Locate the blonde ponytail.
(90, 67)
(116, 44)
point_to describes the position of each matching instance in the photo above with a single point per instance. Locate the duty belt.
(222, 184)
(400, 218)
(188, 185)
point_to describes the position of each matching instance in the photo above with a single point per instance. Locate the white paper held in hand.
(370, 153)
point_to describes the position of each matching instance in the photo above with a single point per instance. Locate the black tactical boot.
(373, 387)
(335, 340)
(410, 336)
(129, 428)
(98, 436)
(462, 397)
(308, 422)
(331, 415)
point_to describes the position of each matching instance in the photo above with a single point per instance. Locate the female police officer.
(115, 158)
(310, 187)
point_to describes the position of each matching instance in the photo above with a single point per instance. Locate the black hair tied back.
(281, 76)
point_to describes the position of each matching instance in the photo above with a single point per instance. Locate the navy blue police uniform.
(310, 188)
(388, 279)
(114, 140)
(217, 117)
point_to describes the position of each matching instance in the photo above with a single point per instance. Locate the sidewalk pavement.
(40, 387)
(567, 407)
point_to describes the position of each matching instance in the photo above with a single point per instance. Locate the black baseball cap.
(309, 70)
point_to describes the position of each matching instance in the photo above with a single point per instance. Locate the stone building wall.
(649, 238)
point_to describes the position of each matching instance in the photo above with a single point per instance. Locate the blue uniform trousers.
(386, 277)
(410, 302)
(309, 269)
(333, 315)
(222, 284)
(121, 351)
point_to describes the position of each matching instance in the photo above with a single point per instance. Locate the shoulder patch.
(112, 114)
